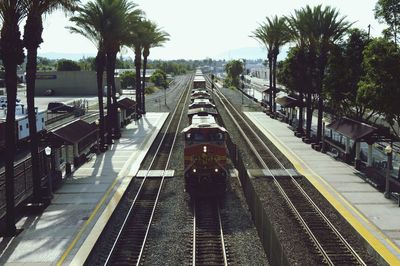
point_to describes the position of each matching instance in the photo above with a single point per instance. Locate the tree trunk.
(274, 81)
(146, 53)
(34, 145)
(109, 123)
(270, 81)
(138, 64)
(32, 39)
(301, 110)
(100, 63)
(113, 58)
(12, 55)
(309, 115)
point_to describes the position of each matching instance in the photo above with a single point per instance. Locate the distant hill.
(71, 56)
(248, 53)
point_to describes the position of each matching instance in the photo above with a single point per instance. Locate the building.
(69, 83)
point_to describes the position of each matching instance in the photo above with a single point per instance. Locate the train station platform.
(68, 228)
(376, 218)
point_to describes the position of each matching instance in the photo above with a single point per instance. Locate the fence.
(23, 185)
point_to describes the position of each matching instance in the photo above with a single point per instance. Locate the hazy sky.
(206, 28)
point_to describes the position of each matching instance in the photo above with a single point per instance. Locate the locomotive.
(205, 151)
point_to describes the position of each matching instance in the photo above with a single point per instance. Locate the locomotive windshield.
(197, 136)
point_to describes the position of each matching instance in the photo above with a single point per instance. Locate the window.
(20, 127)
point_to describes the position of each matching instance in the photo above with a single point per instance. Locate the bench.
(396, 196)
(334, 155)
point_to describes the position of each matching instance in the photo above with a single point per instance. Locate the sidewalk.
(81, 207)
(376, 218)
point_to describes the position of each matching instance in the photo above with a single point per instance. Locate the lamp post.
(47, 152)
(388, 151)
(242, 78)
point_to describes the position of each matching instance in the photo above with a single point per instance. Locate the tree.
(378, 88)
(107, 23)
(388, 11)
(273, 34)
(153, 37)
(159, 78)
(32, 39)
(233, 69)
(127, 79)
(12, 55)
(67, 65)
(316, 30)
(344, 72)
(90, 24)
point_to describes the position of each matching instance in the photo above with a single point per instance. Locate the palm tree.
(11, 13)
(299, 26)
(273, 34)
(331, 28)
(120, 16)
(89, 23)
(32, 40)
(264, 35)
(315, 30)
(136, 36)
(106, 24)
(153, 37)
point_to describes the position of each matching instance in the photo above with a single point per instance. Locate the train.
(21, 125)
(205, 149)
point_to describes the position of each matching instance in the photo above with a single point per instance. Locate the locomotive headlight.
(194, 170)
(216, 170)
(204, 149)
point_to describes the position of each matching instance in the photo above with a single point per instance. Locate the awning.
(127, 104)
(352, 129)
(287, 101)
(74, 132)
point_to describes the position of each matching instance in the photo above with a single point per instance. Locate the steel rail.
(142, 185)
(290, 203)
(220, 232)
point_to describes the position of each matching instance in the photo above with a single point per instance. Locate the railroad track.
(208, 238)
(128, 247)
(330, 244)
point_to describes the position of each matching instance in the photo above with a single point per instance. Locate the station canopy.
(288, 101)
(73, 132)
(359, 131)
(127, 104)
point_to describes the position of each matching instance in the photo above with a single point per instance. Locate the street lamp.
(388, 151)
(47, 152)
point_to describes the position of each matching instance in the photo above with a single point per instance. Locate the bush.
(127, 79)
(150, 90)
(67, 65)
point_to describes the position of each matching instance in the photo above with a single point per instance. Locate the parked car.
(57, 107)
(3, 101)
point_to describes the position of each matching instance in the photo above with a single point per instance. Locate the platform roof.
(73, 132)
(126, 103)
(353, 129)
(287, 101)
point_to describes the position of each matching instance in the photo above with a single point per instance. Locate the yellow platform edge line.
(116, 197)
(297, 162)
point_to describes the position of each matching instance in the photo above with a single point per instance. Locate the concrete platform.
(376, 218)
(67, 230)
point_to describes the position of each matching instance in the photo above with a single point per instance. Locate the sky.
(206, 28)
